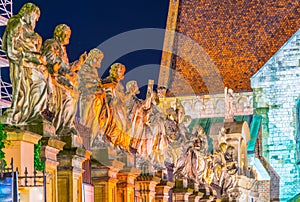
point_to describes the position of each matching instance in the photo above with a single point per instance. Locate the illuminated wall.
(276, 90)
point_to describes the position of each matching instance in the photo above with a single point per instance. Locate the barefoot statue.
(64, 77)
(28, 73)
(92, 95)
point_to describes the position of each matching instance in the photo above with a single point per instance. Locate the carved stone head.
(95, 58)
(30, 13)
(117, 71)
(62, 33)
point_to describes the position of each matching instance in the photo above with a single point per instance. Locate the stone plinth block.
(69, 173)
(104, 179)
(126, 184)
(20, 147)
(162, 191)
(49, 150)
(145, 187)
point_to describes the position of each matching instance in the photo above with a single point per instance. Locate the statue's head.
(62, 33)
(131, 86)
(30, 14)
(223, 147)
(95, 57)
(117, 71)
(155, 98)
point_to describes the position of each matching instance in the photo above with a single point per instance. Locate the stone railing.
(208, 106)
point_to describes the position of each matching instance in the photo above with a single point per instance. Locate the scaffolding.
(5, 87)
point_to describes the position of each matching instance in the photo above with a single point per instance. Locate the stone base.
(69, 174)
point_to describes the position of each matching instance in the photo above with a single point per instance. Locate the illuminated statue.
(229, 103)
(113, 120)
(224, 168)
(191, 165)
(64, 92)
(92, 95)
(141, 133)
(28, 73)
(160, 141)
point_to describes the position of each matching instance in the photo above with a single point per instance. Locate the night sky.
(93, 22)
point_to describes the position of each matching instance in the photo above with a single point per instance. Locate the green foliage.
(3, 140)
(38, 163)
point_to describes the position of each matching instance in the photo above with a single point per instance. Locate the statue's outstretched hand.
(82, 58)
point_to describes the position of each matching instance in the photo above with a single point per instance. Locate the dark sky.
(94, 22)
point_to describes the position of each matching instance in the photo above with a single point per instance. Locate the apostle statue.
(113, 121)
(91, 93)
(141, 133)
(192, 164)
(28, 73)
(64, 77)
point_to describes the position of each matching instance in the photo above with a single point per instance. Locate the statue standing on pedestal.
(113, 121)
(28, 73)
(91, 93)
(192, 164)
(141, 133)
(64, 77)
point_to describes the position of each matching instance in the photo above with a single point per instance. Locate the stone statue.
(229, 104)
(28, 73)
(192, 164)
(224, 168)
(91, 93)
(113, 120)
(222, 135)
(64, 77)
(139, 114)
(160, 139)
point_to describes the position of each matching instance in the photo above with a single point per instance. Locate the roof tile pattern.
(237, 37)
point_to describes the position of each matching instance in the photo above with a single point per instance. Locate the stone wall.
(276, 91)
(208, 106)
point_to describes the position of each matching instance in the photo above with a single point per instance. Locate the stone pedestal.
(126, 184)
(181, 192)
(49, 150)
(145, 188)
(196, 195)
(162, 191)
(21, 149)
(69, 171)
(104, 179)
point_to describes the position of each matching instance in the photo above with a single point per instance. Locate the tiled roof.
(238, 36)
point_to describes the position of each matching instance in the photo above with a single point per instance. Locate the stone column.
(196, 195)
(104, 179)
(126, 184)
(162, 191)
(145, 187)
(69, 171)
(49, 150)
(181, 192)
(21, 149)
